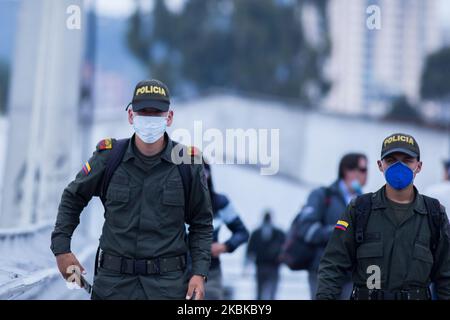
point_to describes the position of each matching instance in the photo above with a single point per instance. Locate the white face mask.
(149, 128)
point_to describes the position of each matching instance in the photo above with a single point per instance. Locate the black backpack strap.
(363, 206)
(114, 159)
(434, 220)
(97, 256)
(186, 178)
(328, 193)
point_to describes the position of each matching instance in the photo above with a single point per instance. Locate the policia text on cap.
(144, 244)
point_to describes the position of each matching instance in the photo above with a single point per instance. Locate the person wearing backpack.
(315, 222)
(395, 242)
(264, 249)
(224, 213)
(149, 191)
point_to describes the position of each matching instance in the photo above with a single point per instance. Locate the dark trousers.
(213, 287)
(346, 292)
(267, 277)
(110, 285)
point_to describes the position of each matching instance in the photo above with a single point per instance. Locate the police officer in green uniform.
(395, 242)
(144, 249)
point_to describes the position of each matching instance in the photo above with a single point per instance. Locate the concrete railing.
(26, 262)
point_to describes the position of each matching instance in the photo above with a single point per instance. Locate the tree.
(435, 81)
(403, 110)
(253, 46)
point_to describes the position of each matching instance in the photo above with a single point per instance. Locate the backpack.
(363, 205)
(295, 252)
(113, 162)
(298, 255)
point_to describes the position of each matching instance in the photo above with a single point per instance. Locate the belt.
(376, 294)
(141, 266)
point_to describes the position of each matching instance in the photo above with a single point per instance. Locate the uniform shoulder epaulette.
(193, 151)
(104, 144)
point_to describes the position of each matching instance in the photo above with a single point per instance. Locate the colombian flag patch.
(341, 225)
(86, 168)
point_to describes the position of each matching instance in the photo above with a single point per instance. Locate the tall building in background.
(368, 68)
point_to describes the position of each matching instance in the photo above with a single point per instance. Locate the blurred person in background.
(323, 208)
(264, 249)
(223, 213)
(441, 191)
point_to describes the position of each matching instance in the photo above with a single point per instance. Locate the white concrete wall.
(311, 143)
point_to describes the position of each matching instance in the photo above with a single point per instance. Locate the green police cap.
(151, 94)
(400, 142)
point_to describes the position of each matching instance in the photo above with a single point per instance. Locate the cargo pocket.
(174, 284)
(117, 199)
(106, 284)
(369, 254)
(423, 253)
(422, 263)
(173, 193)
(172, 212)
(370, 250)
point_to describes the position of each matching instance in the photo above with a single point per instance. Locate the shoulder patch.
(104, 144)
(193, 151)
(341, 225)
(86, 168)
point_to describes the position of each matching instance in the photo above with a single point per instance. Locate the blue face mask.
(356, 186)
(399, 175)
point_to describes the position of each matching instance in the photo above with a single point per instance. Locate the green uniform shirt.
(144, 216)
(401, 250)
(401, 211)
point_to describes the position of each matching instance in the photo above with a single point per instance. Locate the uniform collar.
(379, 201)
(165, 154)
(129, 154)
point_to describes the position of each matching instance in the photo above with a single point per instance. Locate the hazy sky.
(126, 7)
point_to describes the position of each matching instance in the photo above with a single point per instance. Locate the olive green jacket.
(144, 208)
(402, 252)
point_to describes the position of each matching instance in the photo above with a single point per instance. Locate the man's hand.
(217, 249)
(197, 287)
(64, 261)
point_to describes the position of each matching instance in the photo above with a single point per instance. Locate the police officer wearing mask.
(394, 241)
(143, 246)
